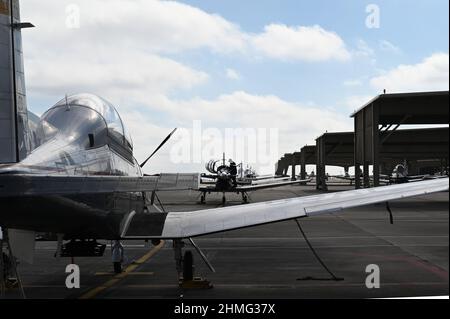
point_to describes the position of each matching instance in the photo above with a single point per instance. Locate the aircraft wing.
(425, 177)
(271, 180)
(250, 188)
(428, 177)
(41, 185)
(353, 178)
(197, 223)
(274, 177)
(207, 188)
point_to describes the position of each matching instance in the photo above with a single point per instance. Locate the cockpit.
(87, 120)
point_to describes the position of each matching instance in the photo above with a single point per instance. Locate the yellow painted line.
(132, 267)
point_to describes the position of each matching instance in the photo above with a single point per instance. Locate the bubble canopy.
(115, 127)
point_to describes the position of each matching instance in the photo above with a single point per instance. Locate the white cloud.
(115, 73)
(232, 74)
(389, 47)
(300, 43)
(429, 75)
(157, 26)
(109, 54)
(298, 124)
(241, 109)
(363, 49)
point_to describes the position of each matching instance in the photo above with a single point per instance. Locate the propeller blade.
(157, 149)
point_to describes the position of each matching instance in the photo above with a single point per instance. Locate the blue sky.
(299, 66)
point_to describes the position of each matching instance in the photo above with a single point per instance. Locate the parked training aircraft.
(225, 178)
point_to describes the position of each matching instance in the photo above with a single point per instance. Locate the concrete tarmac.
(274, 261)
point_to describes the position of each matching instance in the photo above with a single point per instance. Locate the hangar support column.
(287, 163)
(367, 146)
(302, 165)
(321, 165)
(375, 146)
(296, 160)
(293, 168)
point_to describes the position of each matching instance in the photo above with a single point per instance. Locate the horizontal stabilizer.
(16, 185)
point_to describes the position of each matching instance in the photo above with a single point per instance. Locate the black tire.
(188, 266)
(117, 267)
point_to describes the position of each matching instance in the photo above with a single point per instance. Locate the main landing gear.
(203, 199)
(186, 268)
(245, 198)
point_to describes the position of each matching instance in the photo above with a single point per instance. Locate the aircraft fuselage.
(74, 138)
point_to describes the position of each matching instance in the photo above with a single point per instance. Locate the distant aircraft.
(82, 182)
(225, 179)
(399, 175)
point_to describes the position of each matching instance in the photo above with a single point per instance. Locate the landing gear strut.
(224, 200)
(8, 267)
(185, 268)
(178, 250)
(117, 255)
(203, 198)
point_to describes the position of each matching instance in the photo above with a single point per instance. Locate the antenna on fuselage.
(67, 103)
(157, 149)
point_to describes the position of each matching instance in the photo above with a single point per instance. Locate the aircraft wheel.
(188, 266)
(202, 199)
(224, 200)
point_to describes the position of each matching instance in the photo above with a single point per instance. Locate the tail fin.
(15, 142)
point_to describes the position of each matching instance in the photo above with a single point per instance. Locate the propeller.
(157, 149)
